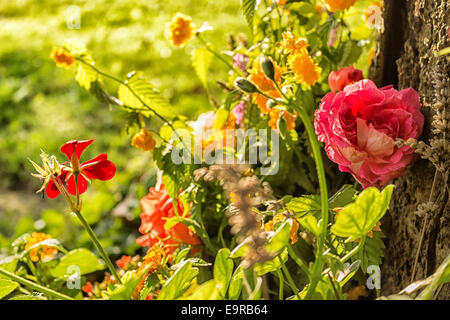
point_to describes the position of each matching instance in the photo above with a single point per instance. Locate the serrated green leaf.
(248, 9)
(343, 197)
(223, 270)
(201, 60)
(358, 218)
(84, 259)
(137, 91)
(84, 74)
(301, 206)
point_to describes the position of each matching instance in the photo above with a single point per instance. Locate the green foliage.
(6, 287)
(201, 60)
(248, 9)
(178, 282)
(223, 270)
(358, 218)
(83, 259)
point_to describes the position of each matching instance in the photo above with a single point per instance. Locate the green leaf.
(178, 282)
(84, 74)
(271, 265)
(207, 291)
(236, 283)
(84, 259)
(241, 249)
(372, 250)
(130, 281)
(248, 9)
(358, 218)
(440, 277)
(343, 197)
(143, 92)
(281, 237)
(8, 264)
(310, 223)
(350, 54)
(201, 60)
(304, 205)
(223, 270)
(6, 287)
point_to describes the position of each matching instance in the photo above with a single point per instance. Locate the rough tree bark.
(414, 30)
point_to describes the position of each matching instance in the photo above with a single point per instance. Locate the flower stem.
(35, 286)
(97, 244)
(316, 272)
(280, 276)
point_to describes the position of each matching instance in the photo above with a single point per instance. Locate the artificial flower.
(98, 168)
(338, 80)
(360, 125)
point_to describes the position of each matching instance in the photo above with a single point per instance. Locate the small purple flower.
(239, 112)
(240, 61)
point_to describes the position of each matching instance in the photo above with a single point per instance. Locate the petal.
(51, 190)
(102, 170)
(82, 185)
(76, 146)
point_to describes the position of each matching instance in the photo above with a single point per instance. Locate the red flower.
(124, 261)
(98, 168)
(87, 288)
(338, 80)
(156, 206)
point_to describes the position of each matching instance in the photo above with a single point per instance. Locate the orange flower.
(319, 10)
(280, 2)
(181, 29)
(290, 118)
(304, 68)
(41, 252)
(292, 44)
(264, 84)
(339, 5)
(62, 57)
(143, 140)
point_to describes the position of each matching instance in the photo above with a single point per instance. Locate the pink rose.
(338, 80)
(360, 125)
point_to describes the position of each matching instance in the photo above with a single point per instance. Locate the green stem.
(318, 263)
(288, 277)
(280, 276)
(98, 246)
(218, 56)
(35, 286)
(297, 260)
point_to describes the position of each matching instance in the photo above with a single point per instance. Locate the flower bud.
(245, 85)
(268, 68)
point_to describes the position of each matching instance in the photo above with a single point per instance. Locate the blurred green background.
(42, 107)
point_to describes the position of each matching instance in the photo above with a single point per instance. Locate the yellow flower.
(264, 84)
(319, 8)
(143, 140)
(339, 5)
(62, 57)
(41, 252)
(181, 29)
(290, 118)
(304, 68)
(290, 44)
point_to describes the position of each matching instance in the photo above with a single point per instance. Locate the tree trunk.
(413, 31)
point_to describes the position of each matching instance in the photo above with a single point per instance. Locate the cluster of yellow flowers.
(290, 118)
(143, 140)
(181, 29)
(41, 252)
(305, 70)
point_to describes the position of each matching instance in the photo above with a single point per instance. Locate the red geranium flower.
(98, 168)
(156, 206)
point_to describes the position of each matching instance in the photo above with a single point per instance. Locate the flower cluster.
(41, 252)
